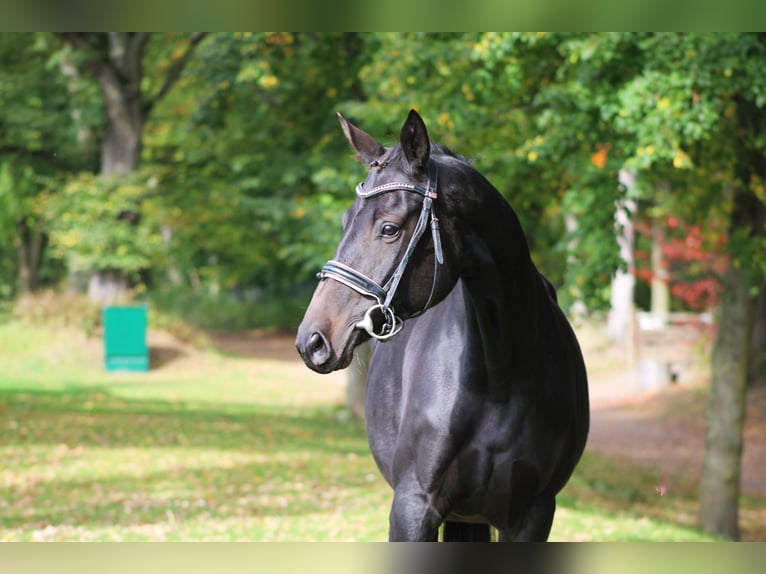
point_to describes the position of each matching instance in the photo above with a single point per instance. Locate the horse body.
(477, 411)
(468, 426)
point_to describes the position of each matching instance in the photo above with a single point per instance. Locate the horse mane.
(395, 154)
(442, 150)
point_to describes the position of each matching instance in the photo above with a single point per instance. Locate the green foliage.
(37, 143)
(245, 175)
(667, 107)
(247, 154)
(473, 95)
(98, 223)
(8, 210)
(693, 117)
(36, 109)
(594, 258)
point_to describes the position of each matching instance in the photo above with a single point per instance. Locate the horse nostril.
(318, 348)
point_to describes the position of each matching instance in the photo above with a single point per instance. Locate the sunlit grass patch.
(611, 500)
(86, 467)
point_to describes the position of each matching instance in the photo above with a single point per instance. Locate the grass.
(216, 447)
(618, 500)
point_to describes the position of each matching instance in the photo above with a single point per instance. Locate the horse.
(477, 405)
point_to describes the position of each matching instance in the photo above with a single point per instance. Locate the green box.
(125, 346)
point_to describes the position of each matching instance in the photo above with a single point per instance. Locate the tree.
(37, 145)
(131, 82)
(719, 490)
(757, 371)
(250, 160)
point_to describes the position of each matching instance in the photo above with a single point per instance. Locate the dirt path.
(665, 430)
(260, 345)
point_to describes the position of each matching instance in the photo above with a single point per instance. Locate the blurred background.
(204, 176)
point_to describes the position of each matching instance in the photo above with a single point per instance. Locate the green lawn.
(215, 447)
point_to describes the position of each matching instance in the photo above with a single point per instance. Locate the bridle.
(384, 295)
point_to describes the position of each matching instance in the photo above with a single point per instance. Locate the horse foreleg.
(413, 518)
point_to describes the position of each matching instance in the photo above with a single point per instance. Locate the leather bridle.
(368, 287)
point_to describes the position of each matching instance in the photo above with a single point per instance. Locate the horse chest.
(428, 410)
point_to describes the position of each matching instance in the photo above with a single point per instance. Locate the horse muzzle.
(316, 351)
(319, 354)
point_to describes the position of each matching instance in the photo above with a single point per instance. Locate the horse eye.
(389, 230)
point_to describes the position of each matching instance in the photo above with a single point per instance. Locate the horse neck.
(500, 277)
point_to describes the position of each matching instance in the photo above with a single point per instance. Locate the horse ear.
(365, 145)
(414, 140)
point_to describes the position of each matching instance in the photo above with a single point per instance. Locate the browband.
(429, 191)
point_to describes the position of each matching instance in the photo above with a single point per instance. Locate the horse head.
(397, 254)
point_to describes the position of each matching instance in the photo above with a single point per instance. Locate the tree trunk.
(108, 287)
(660, 288)
(720, 484)
(757, 371)
(120, 151)
(620, 323)
(121, 146)
(31, 244)
(721, 466)
(120, 80)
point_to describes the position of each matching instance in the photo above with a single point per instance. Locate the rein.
(384, 295)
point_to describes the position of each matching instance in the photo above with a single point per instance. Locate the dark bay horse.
(477, 399)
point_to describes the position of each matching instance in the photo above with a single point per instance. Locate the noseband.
(384, 295)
